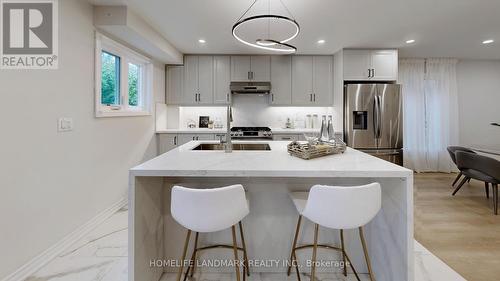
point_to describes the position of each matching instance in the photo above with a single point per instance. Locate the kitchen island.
(268, 176)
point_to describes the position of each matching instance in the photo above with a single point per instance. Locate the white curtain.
(431, 112)
(411, 77)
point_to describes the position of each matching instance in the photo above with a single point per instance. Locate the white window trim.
(127, 55)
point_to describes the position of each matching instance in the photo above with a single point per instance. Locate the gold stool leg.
(235, 250)
(184, 252)
(343, 251)
(244, 250)
(292, 254)
(315, 248)
(367, 257)
(192, 263)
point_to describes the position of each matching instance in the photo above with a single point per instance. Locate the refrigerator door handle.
(376, 118)
(379, 117)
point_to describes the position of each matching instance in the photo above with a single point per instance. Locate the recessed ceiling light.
(489, 41)
(410, 41)
(321, 41)
(202, 41)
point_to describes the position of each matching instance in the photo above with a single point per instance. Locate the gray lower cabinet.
(288, 137)
(185, 138)
(171, 141)
(167, 142)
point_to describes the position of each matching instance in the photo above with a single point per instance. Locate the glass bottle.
(324, 130)
(331, 132)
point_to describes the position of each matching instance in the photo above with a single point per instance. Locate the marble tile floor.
(102, 256)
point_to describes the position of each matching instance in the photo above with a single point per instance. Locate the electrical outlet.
(65, 124)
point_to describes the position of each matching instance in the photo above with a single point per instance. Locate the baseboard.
(45, 257)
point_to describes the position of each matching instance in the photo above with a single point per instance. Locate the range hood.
(250, 87)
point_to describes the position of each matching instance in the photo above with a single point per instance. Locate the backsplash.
(248, 110)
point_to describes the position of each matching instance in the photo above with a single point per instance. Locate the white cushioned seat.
(339, 207)
(209, 210)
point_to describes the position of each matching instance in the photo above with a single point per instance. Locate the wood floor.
(462, 229)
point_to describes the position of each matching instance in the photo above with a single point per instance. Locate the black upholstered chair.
(452, 150)
(481, 168)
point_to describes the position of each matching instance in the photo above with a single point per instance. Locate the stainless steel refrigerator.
(373, 120)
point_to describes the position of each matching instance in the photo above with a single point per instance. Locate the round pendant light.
(268, 43)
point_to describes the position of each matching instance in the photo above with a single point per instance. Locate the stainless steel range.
(251, 133)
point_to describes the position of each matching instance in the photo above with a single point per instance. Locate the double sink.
(236, 146)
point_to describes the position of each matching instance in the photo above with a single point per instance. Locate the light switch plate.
(65, 124)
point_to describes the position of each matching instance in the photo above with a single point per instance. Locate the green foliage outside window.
(110, 79)
(133, 77)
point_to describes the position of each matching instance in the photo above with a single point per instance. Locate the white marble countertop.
(184, 162)
(221, 131)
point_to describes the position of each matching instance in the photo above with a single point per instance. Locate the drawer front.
(287, 137)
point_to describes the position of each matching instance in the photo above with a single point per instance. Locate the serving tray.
(307, 151)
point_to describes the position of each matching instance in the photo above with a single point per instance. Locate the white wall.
(52, 183)
(479, 103)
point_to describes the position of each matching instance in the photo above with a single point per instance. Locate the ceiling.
(441, 28)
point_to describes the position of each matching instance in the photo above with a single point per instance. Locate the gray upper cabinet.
(281, 80)
(323, 80)
(381, 65)
(198, 80)
(302, 80)
(260, 67)
(240, 68)
(385, 65)
(295, 80)
(312, 80)
(357, 64)
(190, 80)
(175, 84)
(250, 68)
(222, 79)
(205, 79)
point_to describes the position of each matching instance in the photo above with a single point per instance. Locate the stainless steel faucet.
(228, 144)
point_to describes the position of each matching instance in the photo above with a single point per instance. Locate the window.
(123, 80)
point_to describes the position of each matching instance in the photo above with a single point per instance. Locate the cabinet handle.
(272, 97)
(175, 140)
(286, 138)
(227, 97)
(248, 75)
(373, 72)
(369, 73)
(310, 97)
(199, 97)
(314, 95)
(252, 74)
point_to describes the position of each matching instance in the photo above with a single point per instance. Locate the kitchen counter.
(268, 177)
(183, 161)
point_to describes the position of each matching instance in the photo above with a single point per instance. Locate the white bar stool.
(336, 207)
(210, 210)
